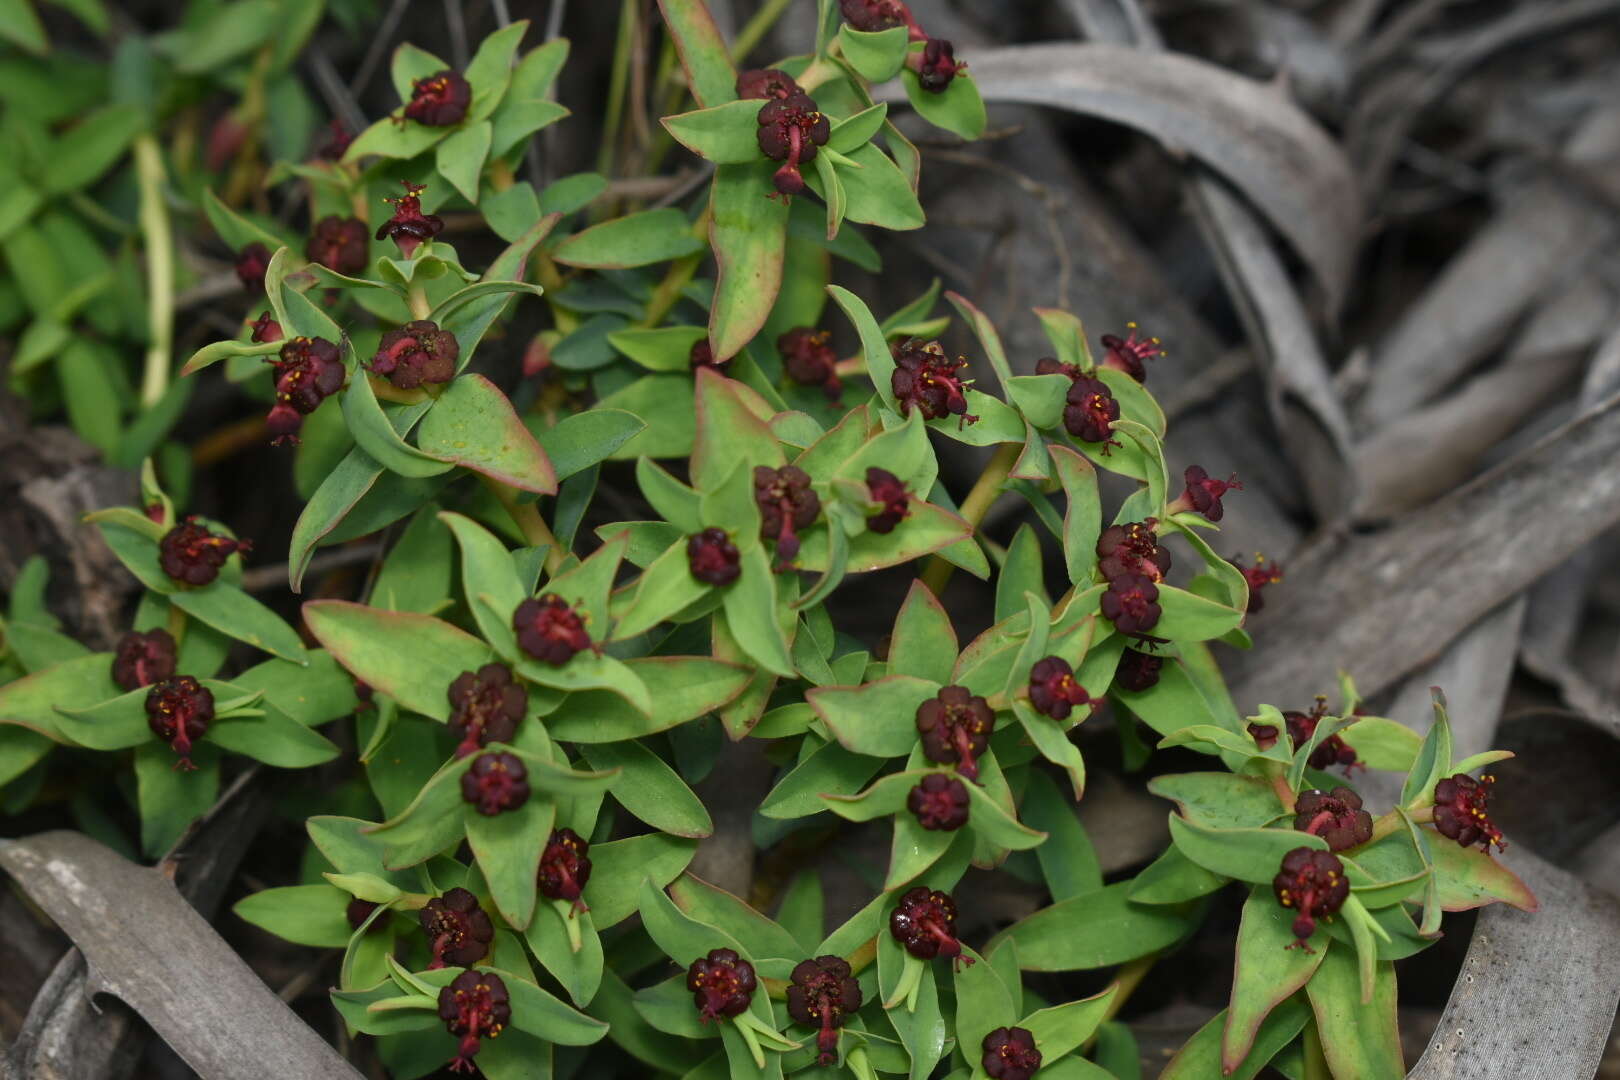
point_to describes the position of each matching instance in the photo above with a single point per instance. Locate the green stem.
(618, 86)
(1391, 822)
(154, 217)
(417, 298)
(177, 624)
(756, 28)
(974, 507)
(528, 519)
(1130, 976)
(1316, 1066)
(668, 291)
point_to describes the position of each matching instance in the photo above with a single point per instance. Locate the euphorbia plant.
(504, 866)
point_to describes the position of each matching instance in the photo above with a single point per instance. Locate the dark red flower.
(713, 558)
(874, 15)
(1264, 735)
(1258, 576)
(266, 331)
(1462, 811)
(192, 555)
(935, 66)
(359, 911)
(251, 264)
(338, 138)
(457, 928)
(823, 993)
(409, 227)
(495, 783)
(1137, 671)
(939, 802)
(1010, 1054)
(565, 867)
(1052, 689)
(702, 355)
(474, 1006)
(766, 84)
(307, 372)
(1132, 603)
(1132, 548)
(886, 488)
(439, 100)
(1130, 354)
(790, 129)
(1335, 816)
(178, 711)
(1051, 365)
(1090, 412)
(1312, 883)
(339, 244)
(955, 726)
(1204, 493)
(809, 360)
(416, 353)
(1330, 751)
(143, 659)
(925, 378)
(722, 984)
(924, 923)
(549, 629)
(225, 139)
(786, 504)
(486, 707)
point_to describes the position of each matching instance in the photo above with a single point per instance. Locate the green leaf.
(725, 134)
(236, 229)
(1244, 854)
(487, 570)
(223, 350)
(117, 724)
(958, 108)
(1190, 617)
(879, 193)
(479, 290)
(709, 904)
(829, 770)
(640, 239)
(1173, 878)
(985, 331)
(702, 50)
(650, 789)
(430, 824)
(983, 1002)
(855, 131)
(1116, 931)
(469, 321)
(1067, 859)
(460, 158)
(273, 738)
(490, 69)
(991, 821)
(370, 426)
(303, 914)
(171, 799)
(1219, 800)
(884, 798)
(1200, 1058)
(682, 687)
(21, 26)
(682, 937)
(1433, 758)
(748, 232)
(752, 614)
(539, 1013)
(878, 718)
(1357, 1039)
(664, 348)
(1053, 743)
(927, 529)
(923, 644)
(878, 56)
(579, 971)
(1469, 878)
(91, 147)
(579, 441)
(619, 866)
(411, 658)
(1269, 971)
(507, 847)
(236, 614)
(1061, 1028)
(474, 425)
(1082, 519)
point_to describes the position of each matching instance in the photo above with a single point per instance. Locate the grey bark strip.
(1380, 607)
(144, 944)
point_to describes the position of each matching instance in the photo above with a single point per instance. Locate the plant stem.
(618, 86)
(417, 298)
(177, 624)
(154, 216)
(1285, 794)
(668, 291)
(1125, 983)
(974, 507)
(757, 28)
(527, 515)
(1391, 822)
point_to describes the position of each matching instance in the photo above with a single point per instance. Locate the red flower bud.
(713, 558)
(565, 867)
(786, 504)
(475, 1006)
(1130, 355)
(439, 100)
(823, 993)
(1137, 671)
(926, 379)
(809, 360)
(266, 331)
(1313, 883)
(1132, 548)
(722, 984)
(418, 352)
(549, 629)
(924, 923)
(1330, 751)
(871, 16)
(766, 84)
(252, 262)
(1090, 412)
(192, 555)
(955, 727)
(358, 911)
(1336, 817)
(409, 227)
(1461, 812)
(495, 783)
(1204, 493)
(886, 488)
(308, 371)
(178, 711)
(1258, 576)
(790, 129)
(1052, 689)
(458, 929)
(143, 659)
(1010, 1054)
(339, 244)
(1132, 603)
(338, 138)
(1264, 735)
(939, 802)
(485, 706)
(935, 66)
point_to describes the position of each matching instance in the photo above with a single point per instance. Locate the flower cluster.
(307, 372)
(935, 65)
(339, 244)
(474, 1006)
(192, 555)
(416, 353)
(409, 228)
(143, 659)
(939, 802)
(924, 923)
(712, 557)
(252, 263)
(1130, 354)
(790, 130)
(565, 867)
(926, 379)
(886, 489)
(439, 100)
(495, 783)
(809, 360)
(1258, 576)
(549, 629)
(1203, 493)
(485, 706)
(1052, 689)
(955, 727)
(1462, 812)
(457, 928)
(1137, 671)
(823, 993)
(179, 710)
(786, 504)
(722, 984)
(1010, 1054)
(1089, 411)
(1335, 816)
(1312, 883)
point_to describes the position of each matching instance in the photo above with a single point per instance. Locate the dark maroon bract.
(787, 504)
(565, 867)
(1132, 548)
(266, 331)
(790, 129)
(495, 783)
(1312, 883)
(1090, 410)
(886, 488)
(1335, 816)
(416, 353)
(935, 66)
(475, 1006)
(409, 228)
(252, 262)
(1462, 812)
(439, 100)
(722, 984)
(1130, 354)
(458, 929)
(939, 802)
(1204, 492)
(924, 923)
(143, 659)
(1052, 689)
(485, 706)
(307, 372)
(1137, 671)
(712, 557)
(955, 726)
(339, 244)
(766, 84)
(927, 380)
(1132, 603)
(178, 711)
(192, 555)
(823, 993)
(550, 630)
(809, 360)
(1010, 1054)
(1330, 751)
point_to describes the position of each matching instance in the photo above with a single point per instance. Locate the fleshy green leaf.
(474, 425)
(877, 719)
(1116, 931)
(877, 55)
(725, 134)
(1357, 1039)
(1244, 854)
(1268, 972)
(640, 239)
(748, 232)
(650, 789)
(411, 658)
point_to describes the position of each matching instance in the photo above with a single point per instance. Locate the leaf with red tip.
(748, 231)
(1268, 971)
(1357, 1039)
(702, 49)
(411, 658)
(1469, 878)
(729, 430)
